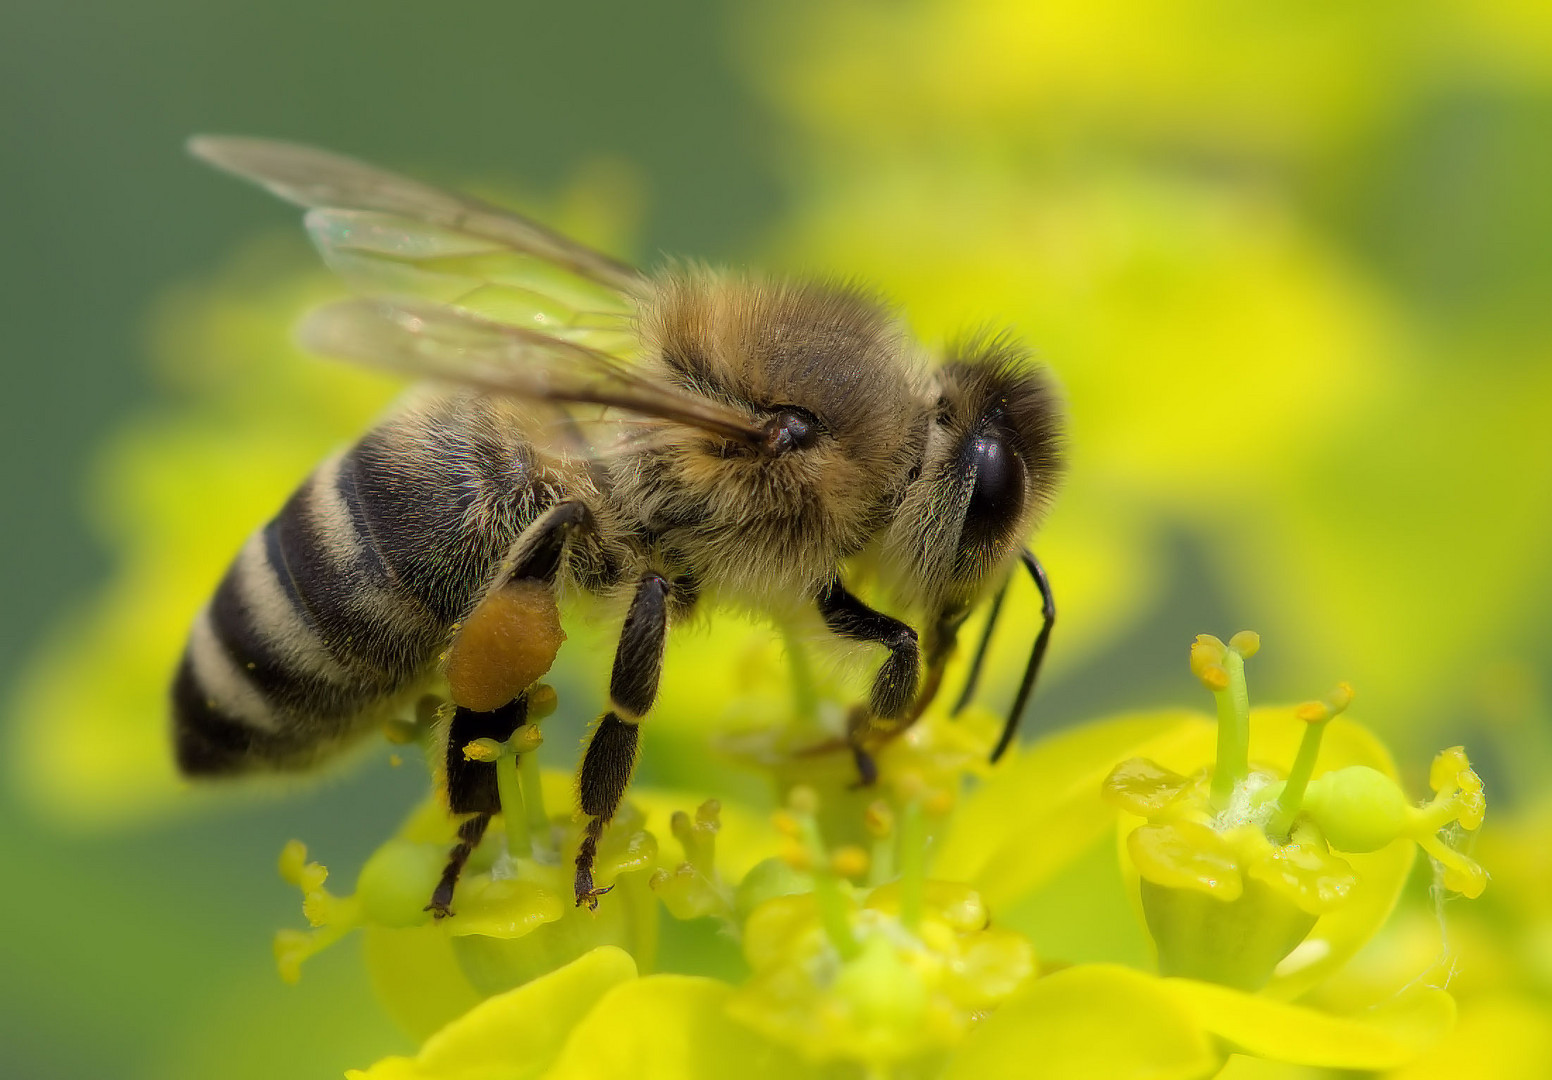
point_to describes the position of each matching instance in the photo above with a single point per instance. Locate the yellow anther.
(849, 861)
(803, 800)
(878, 819)
(1447, 767)
(1206, 651)
(526, 739)
(1215, 677)
(795, 855)
(1247, 643)
(394, 761)
(787, 825)
(709, 815)
(659, 878)
(291, 948)
(1473, 808)
(293, 861)
(1452, 778)
(939, 801)
(1313, 712)
(481, 750)
(1340, 698)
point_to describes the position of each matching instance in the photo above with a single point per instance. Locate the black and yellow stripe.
(344, 600)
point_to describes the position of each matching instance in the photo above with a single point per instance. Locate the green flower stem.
(834, 915)
(513, 808)
(538, 819)
(881, 860)
(1233, 763)
(829, 894)
(1291, 799)
(805, 695)
(913, 863)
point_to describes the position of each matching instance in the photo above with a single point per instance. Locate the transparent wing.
(436, 341)
(387, 234)
(465, 292)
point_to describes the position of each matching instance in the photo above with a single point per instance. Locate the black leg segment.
(471, 785)
(544, 542)
(894, 687)
(638, 660)
(1036, 654)
(611, 753)
(973, 679)
(470, 833)
(606, 773)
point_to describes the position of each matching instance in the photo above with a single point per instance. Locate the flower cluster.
(885, 932)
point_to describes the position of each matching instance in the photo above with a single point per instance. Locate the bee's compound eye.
(998, 495)
(790, 429)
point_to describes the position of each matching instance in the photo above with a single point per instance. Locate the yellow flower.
(515, 915)
(1236, 864)
(594, 1017)
(877, 975)
(890, 929)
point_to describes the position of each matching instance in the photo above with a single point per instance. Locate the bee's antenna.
(974, 678)
(1036, 655)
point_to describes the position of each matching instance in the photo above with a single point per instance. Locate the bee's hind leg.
(471, 786)
(470, 833)
(502, 648)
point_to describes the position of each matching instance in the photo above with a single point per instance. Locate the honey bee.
(683, 438)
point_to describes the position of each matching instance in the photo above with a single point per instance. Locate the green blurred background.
(1293, 265)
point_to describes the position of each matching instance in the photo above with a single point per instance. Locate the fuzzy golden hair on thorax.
(754, 522)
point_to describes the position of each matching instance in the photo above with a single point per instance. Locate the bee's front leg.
(894, 687)
(942, 640)
(611, 753)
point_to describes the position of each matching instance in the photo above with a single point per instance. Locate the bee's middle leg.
(611, 753)
(889, 709)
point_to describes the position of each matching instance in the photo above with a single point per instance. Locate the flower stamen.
(1316, 715)
(694, 888)
(1221, 668)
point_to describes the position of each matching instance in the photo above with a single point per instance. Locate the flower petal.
(1143, 787)
(514, 1035)
(673, 1027)
(1186, 855)
(1096, 1020)
(1381, 1038)
(1042, 808)
(416, 978)
(1306, 874)
(507, 908)
(1499, 1038)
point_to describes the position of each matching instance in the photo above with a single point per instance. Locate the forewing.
(436, 341)
(465, 292)
(319, 179)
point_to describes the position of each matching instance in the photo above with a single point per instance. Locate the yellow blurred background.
(1291, 263)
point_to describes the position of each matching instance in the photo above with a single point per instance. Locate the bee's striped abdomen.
(344, 600)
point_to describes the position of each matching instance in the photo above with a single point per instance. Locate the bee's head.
(992, 462)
